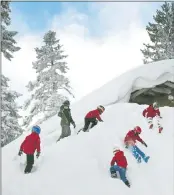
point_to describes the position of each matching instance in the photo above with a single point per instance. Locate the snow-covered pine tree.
(10, 128)
(161, 34)
(51, 81)
(7, 38)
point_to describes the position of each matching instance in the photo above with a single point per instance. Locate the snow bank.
(120, 88)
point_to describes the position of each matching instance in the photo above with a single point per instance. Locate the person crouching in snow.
(130, 141)
(151, 112)
(29, 145)
(91, 118)
(119, 170)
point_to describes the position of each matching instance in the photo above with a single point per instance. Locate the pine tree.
(47, 89)
(10, 128)
(161, 34)
(7, 40)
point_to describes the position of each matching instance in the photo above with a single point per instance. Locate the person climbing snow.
(91, 118)
(150, 113)
(119, 170)
(130, 142)
(29, 145)
(66, 119)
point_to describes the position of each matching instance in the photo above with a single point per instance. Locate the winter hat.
(36, 129)
(66, 102)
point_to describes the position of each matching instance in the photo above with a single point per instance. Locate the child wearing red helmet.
(151, 112)
(92, 118)
(130, 142)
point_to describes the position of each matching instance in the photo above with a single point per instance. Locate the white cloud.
(92, 60)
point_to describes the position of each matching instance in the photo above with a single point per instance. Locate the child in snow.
(29, 145)
(91, 118)
(130, 141)
(151, 112)
(66, 119)
(119, 170)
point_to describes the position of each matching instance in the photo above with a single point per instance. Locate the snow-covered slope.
(79, 165)
(119, 89)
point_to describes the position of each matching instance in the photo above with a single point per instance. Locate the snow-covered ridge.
(120, 88)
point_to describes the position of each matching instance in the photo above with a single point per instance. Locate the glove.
(144, 144)
(38, 154)
(20, 152)
(74, 125)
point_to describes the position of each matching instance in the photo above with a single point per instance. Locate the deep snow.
(79, 164)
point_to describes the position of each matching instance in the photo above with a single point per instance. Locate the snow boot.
(146, 159)
(114, 175)
(151, 126)
(127, 183)
(139, 159)
(160, 129)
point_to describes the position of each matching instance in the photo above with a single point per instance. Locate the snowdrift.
(120, 88)
(79, 164)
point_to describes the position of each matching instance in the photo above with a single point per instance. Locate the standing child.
(29, 145)
(119, 170)
(66, 120)
(130, 141)
(150, 113)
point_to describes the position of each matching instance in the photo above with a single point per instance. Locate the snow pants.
(30, 162)
(150, 122)
(121, 172)
(66, 131)
(89, 123)
(137, 153)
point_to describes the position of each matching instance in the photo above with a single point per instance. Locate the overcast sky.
(102, 40)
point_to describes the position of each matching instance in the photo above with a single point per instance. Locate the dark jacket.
(65, 115)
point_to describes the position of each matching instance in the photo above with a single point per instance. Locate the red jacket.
(31, 143)
(120, 159)
(132, 136)
(151, 112)
(94, 114)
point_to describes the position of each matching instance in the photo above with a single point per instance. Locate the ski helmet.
(101, 108)
(66, 102)
(155, 105)
(36, 129)
(116, 149)
(137, 129)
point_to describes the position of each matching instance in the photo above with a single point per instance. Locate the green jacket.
(65, 115)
